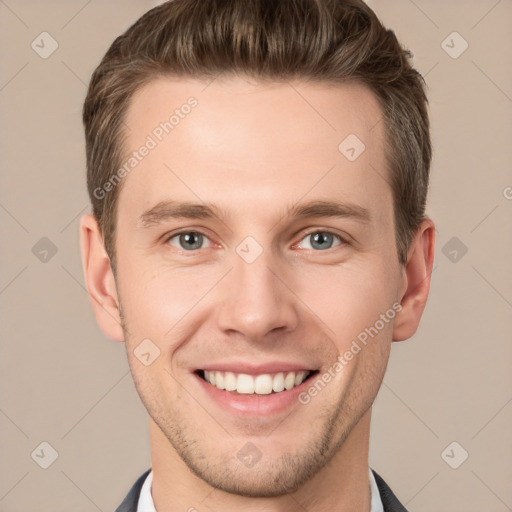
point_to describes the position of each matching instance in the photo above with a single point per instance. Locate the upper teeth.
(260, 384)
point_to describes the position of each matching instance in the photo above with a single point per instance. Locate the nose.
(257, 300)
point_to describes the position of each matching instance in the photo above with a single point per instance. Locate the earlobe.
(99, 279)
(417, 274)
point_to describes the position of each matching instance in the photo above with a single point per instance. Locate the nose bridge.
(255, 301)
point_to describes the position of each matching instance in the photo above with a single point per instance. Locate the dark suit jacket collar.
(389, 500)
(131, 501)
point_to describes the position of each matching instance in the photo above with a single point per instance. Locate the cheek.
(156, 301)
(348, 298)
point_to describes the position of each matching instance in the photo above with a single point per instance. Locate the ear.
(99, 279)
(416, 281)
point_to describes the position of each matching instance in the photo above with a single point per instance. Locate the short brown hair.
(315, 40)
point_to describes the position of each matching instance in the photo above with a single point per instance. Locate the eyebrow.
(165, 210)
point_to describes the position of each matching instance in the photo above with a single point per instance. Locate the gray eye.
(189, 240)
(320, 240)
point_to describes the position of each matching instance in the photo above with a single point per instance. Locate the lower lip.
(259, 405)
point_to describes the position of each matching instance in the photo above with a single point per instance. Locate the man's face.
(256, 288)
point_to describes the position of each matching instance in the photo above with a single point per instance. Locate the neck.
(342, 485)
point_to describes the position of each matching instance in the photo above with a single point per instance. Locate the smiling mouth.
(263, 384)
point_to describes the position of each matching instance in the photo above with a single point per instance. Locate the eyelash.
(342, 240)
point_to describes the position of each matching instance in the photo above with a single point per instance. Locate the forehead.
(311, 109)
(236, 143)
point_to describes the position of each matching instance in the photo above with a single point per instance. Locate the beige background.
(63, 382)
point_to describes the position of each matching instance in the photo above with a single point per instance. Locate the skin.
(255, 149)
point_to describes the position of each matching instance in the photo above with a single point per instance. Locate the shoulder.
(130, 502)
(389, 501)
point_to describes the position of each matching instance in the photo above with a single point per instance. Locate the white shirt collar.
(145, 499)
(146, 504)
(376, 503)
